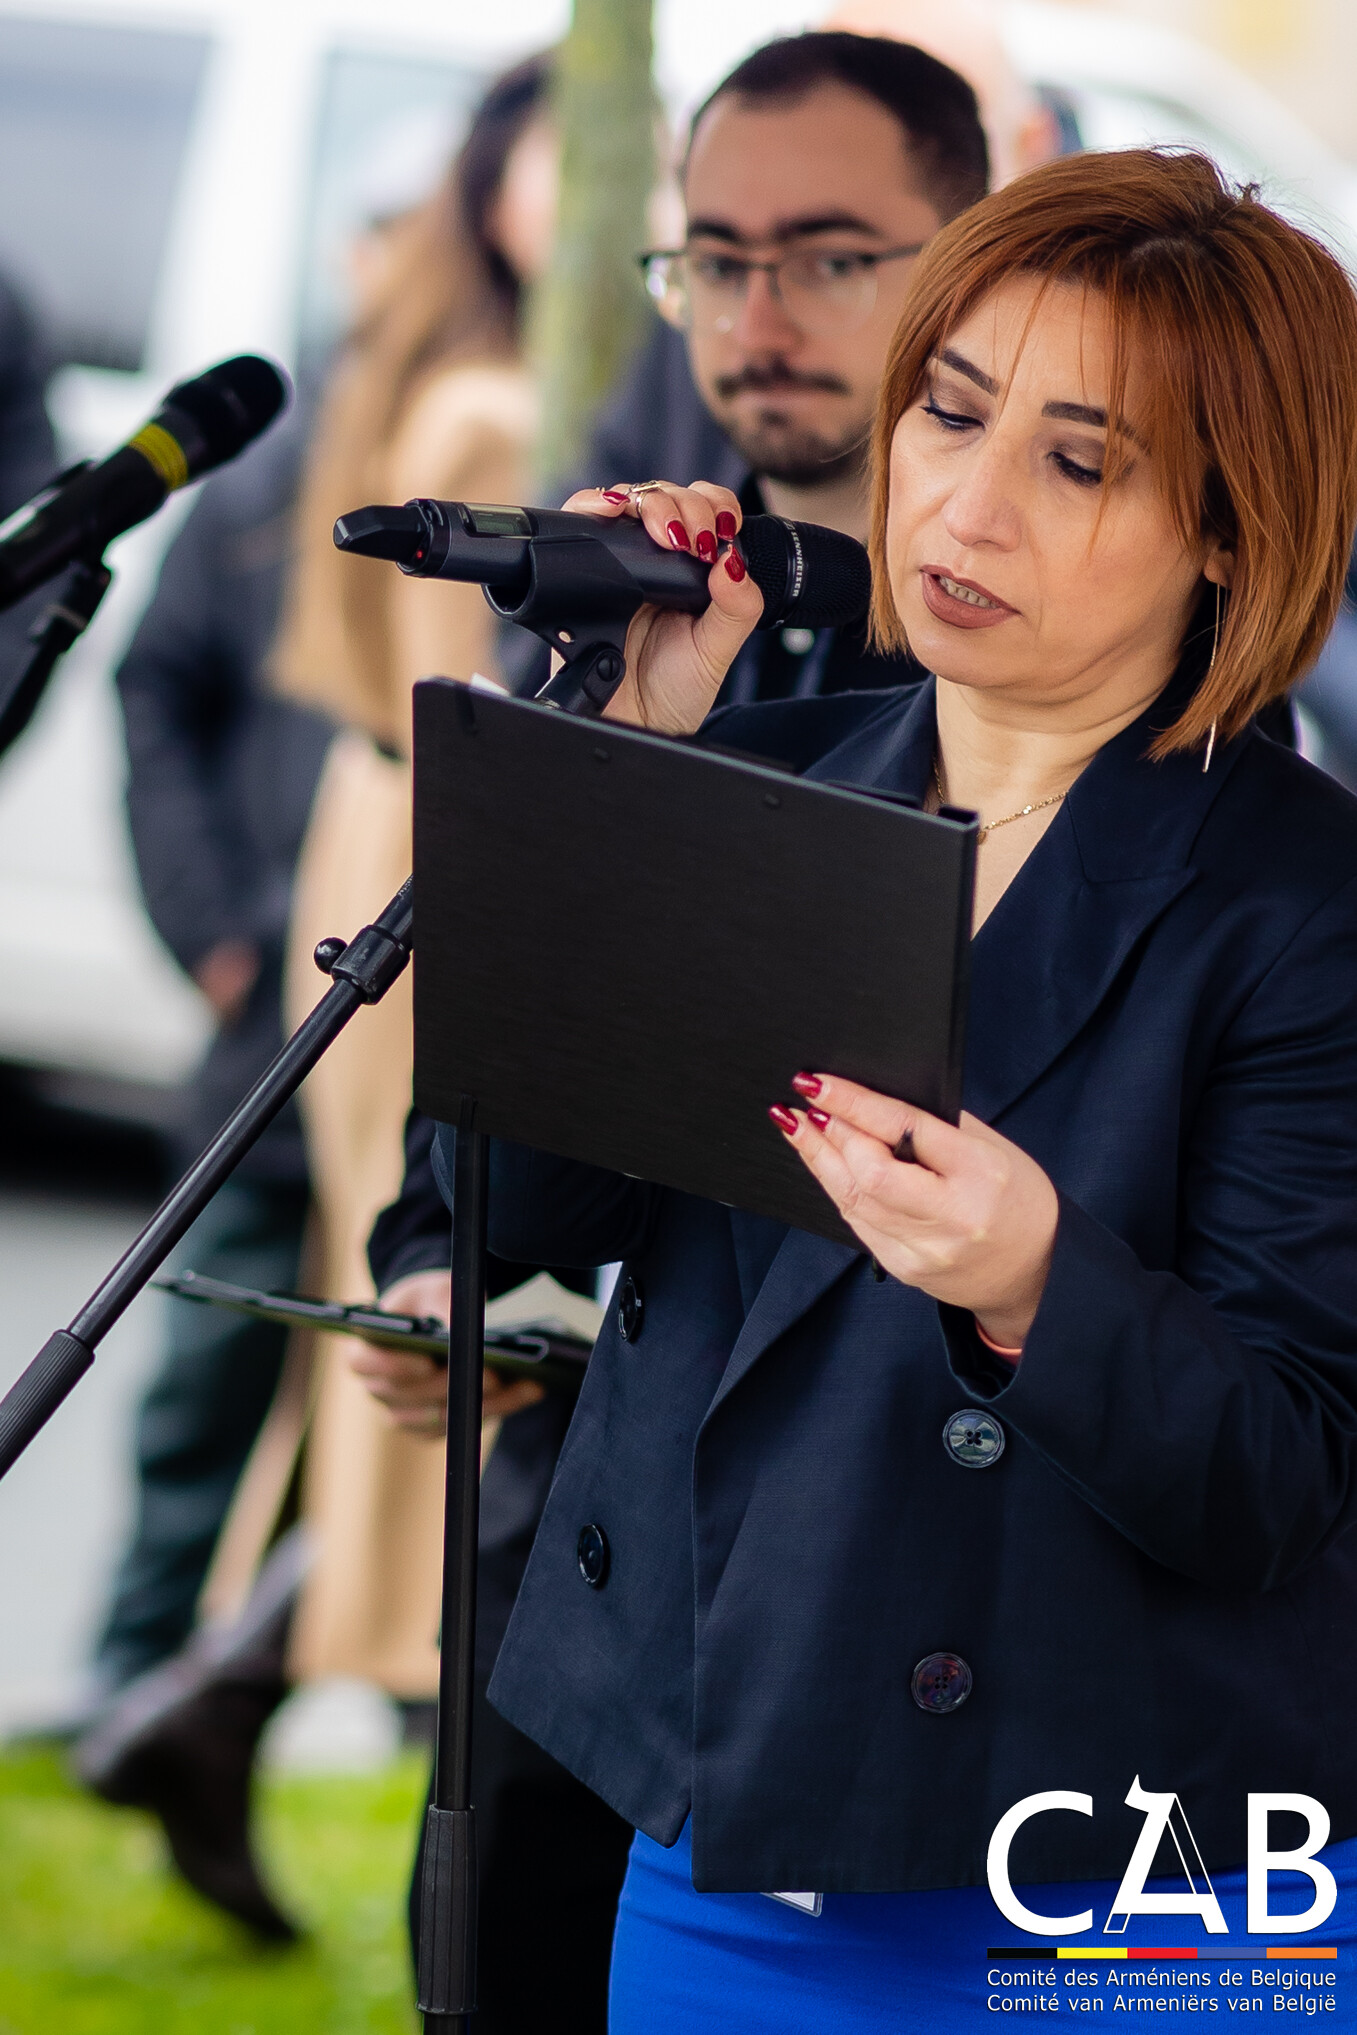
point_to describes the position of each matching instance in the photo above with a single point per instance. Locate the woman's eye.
(950, 420)
(1082, 476)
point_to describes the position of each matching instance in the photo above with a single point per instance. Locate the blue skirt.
(894, 1964)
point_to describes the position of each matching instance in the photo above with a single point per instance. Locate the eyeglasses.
(824, 291)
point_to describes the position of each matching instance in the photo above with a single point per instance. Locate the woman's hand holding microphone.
(676, 662)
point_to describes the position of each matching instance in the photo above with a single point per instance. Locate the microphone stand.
(361, 972)
(52, 636)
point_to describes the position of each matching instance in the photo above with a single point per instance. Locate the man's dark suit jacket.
(221, 771)
(1158, 1578)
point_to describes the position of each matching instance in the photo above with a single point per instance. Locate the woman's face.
(1004, 574)
(522, 220)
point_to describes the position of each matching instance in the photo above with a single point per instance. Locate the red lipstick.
(983, 611)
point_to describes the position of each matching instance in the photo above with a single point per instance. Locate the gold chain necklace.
(1008, 818)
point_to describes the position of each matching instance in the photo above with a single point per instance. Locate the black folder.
(626, 945)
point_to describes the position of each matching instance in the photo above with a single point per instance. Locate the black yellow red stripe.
(1015, 1954)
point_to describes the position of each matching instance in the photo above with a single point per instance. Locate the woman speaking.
(1050, 1488)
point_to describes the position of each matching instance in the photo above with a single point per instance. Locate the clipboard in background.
(538, 1331)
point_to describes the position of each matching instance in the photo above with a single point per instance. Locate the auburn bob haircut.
(1243, 331)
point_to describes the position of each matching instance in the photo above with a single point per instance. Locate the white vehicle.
(179, 182)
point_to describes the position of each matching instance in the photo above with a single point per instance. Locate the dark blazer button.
(631, 1308)
(592, 1552)
(941, 1681)
(973, 1439)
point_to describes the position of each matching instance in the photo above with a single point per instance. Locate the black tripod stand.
(361, 972)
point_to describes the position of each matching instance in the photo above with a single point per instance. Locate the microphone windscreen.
(809, 576)
(230, 404)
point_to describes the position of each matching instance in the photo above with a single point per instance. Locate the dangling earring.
(1215, 645)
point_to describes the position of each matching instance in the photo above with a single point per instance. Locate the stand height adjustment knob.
(327, 953)
(600, 671)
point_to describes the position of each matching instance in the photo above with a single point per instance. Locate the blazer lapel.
(1043, 962)
(802, 1272)
(1116, 856)
(894, 751)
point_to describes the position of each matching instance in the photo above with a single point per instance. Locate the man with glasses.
(814, 175)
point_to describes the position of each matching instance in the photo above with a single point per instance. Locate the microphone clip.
(579, 598)
(594, 664)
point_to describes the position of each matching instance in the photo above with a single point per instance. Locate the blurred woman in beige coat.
(430, 398)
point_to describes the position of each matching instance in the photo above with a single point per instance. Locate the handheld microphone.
(576, 581)
(808, 575)
(201, 424)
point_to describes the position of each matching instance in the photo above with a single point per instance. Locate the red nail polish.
(818, 1117)
(725, 527)
(784, 1119)
(614, 494)
(807, 1084)
(706, 547)
(677, 536)
(735, 565)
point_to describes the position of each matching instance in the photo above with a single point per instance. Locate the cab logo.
(1164, 1816)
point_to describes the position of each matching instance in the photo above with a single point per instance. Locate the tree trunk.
(589, 311)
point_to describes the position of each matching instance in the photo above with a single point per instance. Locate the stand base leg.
(447, 1934)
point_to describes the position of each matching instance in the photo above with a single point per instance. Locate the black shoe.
(181, 1740)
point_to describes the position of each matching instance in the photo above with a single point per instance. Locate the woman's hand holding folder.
(954, 1209)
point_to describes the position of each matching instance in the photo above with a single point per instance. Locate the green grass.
(98, 1937)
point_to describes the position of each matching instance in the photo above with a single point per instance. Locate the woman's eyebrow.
(1066, 413)
(1076, 413)
(959, 363)
(1089, 413)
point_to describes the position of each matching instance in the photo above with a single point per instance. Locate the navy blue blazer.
(1157, 1577)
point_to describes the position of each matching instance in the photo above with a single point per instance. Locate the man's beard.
(775, 445)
